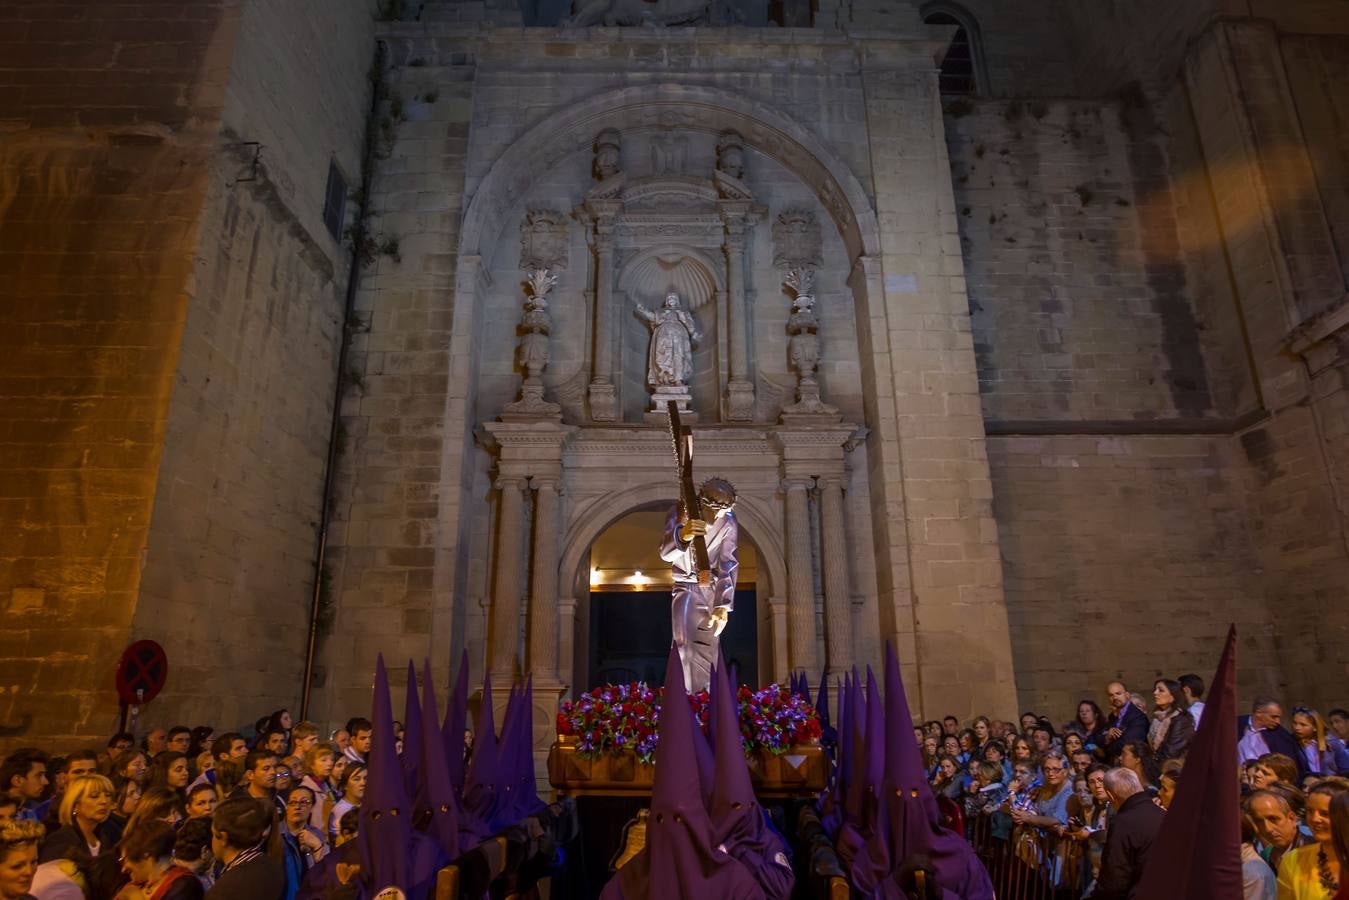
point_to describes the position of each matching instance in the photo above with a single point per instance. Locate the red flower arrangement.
(615, 717)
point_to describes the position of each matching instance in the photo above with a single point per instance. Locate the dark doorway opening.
(630, 637)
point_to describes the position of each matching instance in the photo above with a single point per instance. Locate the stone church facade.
(1020, 339)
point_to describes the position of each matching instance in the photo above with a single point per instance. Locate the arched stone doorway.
(760, 626)
(622, 631)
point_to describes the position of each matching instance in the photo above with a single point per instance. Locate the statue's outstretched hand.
(717, 618)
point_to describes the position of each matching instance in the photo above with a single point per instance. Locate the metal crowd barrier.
(1029, 863)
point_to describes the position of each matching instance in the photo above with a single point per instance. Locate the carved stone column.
(739, 388)
(800, 576)
(602, 401)
(834, 561)
(543, 633)
(566, 635)
(506, 587)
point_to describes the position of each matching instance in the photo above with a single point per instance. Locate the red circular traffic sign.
(141, 673)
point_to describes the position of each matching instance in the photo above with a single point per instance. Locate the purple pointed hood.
(508, 763)
(876, 743)
(527, 792)
(1197, 852)
(679, 860)
(828, 736)
(703, 743)
(412, 734)
(738, 823)
(805, 688)
(456, 722)
(913, 822)
(857, 782)
(831, 806)
(437, 790)
(386, 815)
(480, 784)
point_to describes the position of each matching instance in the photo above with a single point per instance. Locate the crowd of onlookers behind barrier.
(1040, 803)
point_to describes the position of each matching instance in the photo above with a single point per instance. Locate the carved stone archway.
(757, 522)
(688, 107)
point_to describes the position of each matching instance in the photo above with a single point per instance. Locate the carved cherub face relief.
(732, 161)
(606, 162)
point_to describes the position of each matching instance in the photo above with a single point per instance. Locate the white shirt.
(1196, 710)
(1252, 746)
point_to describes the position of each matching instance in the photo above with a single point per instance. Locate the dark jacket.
(1135, 728)
(1178, 737)
(184, 887)
(261, 878)
(1127, 842)
(1278, 740)
(66, 842)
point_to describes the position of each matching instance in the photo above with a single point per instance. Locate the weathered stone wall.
(1127, 557)
(388, 545)
(1285, 274)
(109, 113)
(229, 566)
(1317, 68)
(1077, 286)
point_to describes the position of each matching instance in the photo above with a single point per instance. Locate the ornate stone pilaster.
(526, 451)
(777, 614)
(800, 576)
(566, 632)
(739, 387)
(603, 406)
(506, 585)
(738, 213)
(834, 561)
(543, 633)
(600, 211)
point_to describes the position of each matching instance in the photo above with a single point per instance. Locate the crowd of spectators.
(188, 813)
(184, 814)
(1092, 792)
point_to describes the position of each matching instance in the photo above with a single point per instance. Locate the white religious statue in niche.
(674, 332)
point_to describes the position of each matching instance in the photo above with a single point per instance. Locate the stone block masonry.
(109, 116)
(229, 565)
(391, 555)
(1127, 557)
(1076, 286)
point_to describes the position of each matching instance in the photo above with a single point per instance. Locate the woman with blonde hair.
(18, 858)
(1323, 752)
(1313, 872)
(85, 806)
(318, 765)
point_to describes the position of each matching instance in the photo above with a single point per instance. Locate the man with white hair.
(1129, 837)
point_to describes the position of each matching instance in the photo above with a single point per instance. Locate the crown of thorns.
(717, 492)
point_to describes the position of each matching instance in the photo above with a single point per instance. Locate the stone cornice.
(1323, 340)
